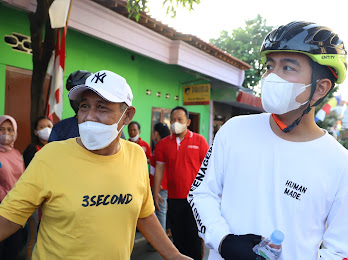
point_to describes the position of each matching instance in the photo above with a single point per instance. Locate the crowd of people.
(80, 190)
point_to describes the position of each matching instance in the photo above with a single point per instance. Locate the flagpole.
(55, 98)
(67, 19)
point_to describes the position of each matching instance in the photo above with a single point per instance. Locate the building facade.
(156, 61)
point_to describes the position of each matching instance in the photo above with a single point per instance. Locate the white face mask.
(278, 96)
(178, 128)
(96, 136)
(44, 133)
(133, 139)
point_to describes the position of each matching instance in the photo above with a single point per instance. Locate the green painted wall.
(85, 52)
(204, 118)
(223, 94)
(11, 21)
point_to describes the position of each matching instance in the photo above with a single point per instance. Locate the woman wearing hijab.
(11, 168)
(42, 130)
(11, 162)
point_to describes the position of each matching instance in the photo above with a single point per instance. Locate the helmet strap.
(284, 127)
(298, 120)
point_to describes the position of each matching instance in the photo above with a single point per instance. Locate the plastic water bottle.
(270, 248)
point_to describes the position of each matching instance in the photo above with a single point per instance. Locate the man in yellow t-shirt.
(93, 190)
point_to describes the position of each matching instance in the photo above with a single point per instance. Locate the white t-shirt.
(253, 182)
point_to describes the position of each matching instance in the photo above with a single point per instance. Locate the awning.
(249, 99)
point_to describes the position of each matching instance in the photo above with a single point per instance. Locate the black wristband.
(235, 247)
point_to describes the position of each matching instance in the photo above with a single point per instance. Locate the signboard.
(196, 94)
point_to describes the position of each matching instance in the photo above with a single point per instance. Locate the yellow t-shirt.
(90, 203)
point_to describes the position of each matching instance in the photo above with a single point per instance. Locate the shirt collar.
(189, 134)
(137, 141)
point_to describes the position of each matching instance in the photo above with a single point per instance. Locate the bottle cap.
(277, 237)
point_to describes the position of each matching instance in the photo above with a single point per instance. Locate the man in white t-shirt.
(279, 170)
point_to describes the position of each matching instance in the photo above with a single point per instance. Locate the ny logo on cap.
(99, 76)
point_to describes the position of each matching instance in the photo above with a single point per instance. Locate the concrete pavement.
(143, 251)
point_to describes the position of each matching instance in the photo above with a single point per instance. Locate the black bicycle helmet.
(77, 78)
(320, 43)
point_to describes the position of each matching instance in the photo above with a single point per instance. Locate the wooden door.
(194, 126)
(17, 102)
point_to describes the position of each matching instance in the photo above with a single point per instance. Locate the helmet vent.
(322, 35)
(336, 41)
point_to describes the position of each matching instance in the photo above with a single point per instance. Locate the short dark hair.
(182, 108)
(134, 122)
(162, 129)
(320, 72)
(36, 123)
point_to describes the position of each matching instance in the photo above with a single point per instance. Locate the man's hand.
(158, 199)
(240, 247)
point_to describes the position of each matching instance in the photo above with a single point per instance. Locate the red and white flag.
(56, 70)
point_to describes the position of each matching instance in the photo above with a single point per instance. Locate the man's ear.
(323, 87)
(188, 122)
(129, 115)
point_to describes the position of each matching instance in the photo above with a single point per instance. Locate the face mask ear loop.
(121, 118)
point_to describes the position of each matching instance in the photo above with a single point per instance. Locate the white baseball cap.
(108, 85)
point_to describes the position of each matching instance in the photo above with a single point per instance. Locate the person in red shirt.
(134, 132)
(160, 131)
(181, 155)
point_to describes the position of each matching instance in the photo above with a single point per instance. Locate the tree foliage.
(244, 44)
(344, 142)
(136, 6)
(329, 121)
